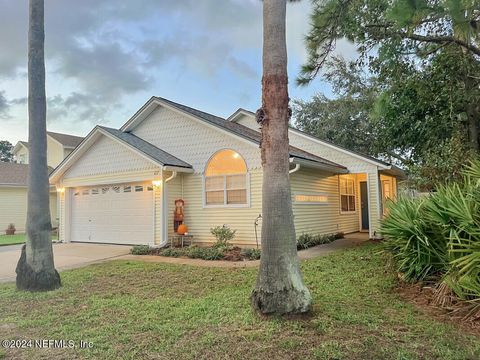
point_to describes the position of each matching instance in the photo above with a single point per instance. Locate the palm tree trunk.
(35, 269)
(279, 288)
(472, 116)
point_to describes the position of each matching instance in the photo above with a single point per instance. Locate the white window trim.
(340, 197)
(225, 205)
(324, 203)
(384, 198)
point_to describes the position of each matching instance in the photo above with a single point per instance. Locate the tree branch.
(434, 39)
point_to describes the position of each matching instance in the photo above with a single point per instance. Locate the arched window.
(226, 179)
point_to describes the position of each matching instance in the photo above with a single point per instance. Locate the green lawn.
(15, 239)
(137, 310)
(12, 239)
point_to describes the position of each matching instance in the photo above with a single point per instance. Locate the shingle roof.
(148, 149)
(24, 143)
(13, 174)
(65, 139)
(326, 141)
(246, 132)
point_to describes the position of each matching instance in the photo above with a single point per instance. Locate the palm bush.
(415, 242)
(439, 235)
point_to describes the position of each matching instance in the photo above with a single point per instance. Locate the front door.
(364, 205)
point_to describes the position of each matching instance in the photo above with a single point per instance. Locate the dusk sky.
(106, 58)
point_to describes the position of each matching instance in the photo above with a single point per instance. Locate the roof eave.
(13, 185)
(17, 147)
(188, 170)
(395, 171)
(320, 166)
(236, 114)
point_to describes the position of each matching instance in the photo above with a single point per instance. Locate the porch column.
(159, 208)
(66, 214)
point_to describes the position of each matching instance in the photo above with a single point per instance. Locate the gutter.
(320, 166)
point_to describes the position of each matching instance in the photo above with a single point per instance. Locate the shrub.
(223, 234)
(306, 240)
(417, 244)
(194, 252)
(205, 253)
(439, 235)
(140, 250)
(172, 252)
(252, 254)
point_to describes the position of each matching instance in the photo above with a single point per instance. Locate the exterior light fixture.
(61, 190)
(157, 183)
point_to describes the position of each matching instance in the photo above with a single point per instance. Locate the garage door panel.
(112, 214)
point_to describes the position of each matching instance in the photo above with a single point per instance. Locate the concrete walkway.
(67, 256)
(350, 241)
(74, 255)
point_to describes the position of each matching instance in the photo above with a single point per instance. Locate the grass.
(12, 239)
(132, 309)
(16, 239)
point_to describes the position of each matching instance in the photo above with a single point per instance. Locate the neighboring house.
(58, 148)
(13, 179)
(119, 186)
(13, 197)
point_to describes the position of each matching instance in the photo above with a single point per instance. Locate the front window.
(226, 179)
(347, 194)
(386, 194)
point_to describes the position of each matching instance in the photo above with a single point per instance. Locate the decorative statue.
(178, 214)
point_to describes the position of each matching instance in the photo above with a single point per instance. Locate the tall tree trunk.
(472, 115)
(279, 288)
(35, 269)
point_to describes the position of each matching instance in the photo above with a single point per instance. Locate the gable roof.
(13, 174)
(18, 145)
(68, 141)
(24, 143)
(233, 128)
(146, 148)
(241, 111)
(134, 143)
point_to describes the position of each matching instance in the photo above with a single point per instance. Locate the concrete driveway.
(67, 256)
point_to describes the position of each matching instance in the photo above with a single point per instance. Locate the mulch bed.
(234, 254)
(422, 296)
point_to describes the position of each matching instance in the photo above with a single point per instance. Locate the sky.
(106, 58)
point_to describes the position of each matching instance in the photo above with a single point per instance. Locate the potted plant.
(10, 230)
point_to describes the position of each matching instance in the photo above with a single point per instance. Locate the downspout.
(295, 169)
(164, 240)
(174, 175)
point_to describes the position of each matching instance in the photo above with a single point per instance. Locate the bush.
(140, 250)
(306, 241)
(194, 252)
(172, 252)
(205, 253)
(223, 234)
(439, 235)
(252, 254)
(417, 244)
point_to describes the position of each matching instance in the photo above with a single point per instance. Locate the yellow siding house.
(13, 180)
(119, 185)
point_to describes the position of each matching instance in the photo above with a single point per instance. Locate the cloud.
(78, 107)
(102, 54)
(4, 106)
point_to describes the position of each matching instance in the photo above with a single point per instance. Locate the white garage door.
(117, 214)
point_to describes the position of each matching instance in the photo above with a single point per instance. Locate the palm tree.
(279, 288)
(35, 269)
